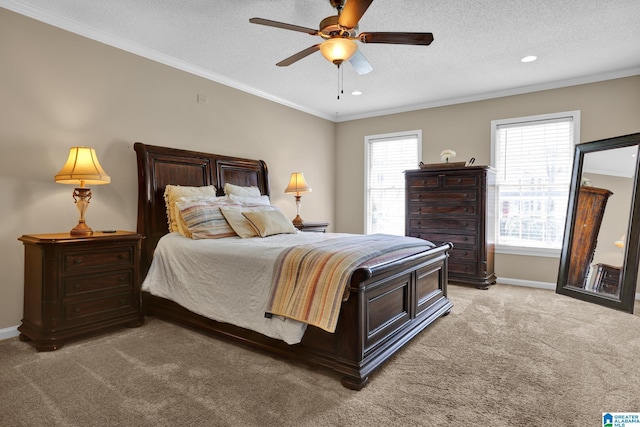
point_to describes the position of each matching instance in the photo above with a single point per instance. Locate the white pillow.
(252, 201)
(241, 225)
(237, 190)
(174, 192)
(268, 223)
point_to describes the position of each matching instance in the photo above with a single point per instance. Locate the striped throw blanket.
(309, 280)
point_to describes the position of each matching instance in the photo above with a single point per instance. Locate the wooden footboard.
(388, 305)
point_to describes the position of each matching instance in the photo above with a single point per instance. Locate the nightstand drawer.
(83, 260)
(89, 284)
(97, 308)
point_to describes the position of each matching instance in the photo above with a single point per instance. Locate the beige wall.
(58, 90)
(607, 108)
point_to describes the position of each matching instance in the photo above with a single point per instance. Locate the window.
(533, 157)
(387, 157)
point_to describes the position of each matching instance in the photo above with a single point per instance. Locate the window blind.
(387, 159)
(533, 159)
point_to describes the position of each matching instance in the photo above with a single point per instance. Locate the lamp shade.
(338, 49)
(82, 168)
(297, 184)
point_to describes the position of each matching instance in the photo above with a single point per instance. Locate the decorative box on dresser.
(455, 204)
(74, 286)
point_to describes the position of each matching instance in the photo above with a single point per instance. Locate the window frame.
(388, 136)
(518, 249)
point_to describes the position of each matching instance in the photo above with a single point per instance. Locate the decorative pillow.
(241, 225)
(250, 201)
(203, 219)
(174, 192)
(237, 190)
(268, 223)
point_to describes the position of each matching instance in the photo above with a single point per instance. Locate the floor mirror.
(599, 259)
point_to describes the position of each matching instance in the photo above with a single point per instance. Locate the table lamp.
(297, 185)
(82, 168)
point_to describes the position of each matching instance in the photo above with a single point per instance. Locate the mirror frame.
(629, 271)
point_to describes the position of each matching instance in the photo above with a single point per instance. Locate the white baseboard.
(10, 332)
(527, 283)
(534, 284)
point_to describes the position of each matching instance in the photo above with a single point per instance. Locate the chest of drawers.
(74, 286)
(455, 205)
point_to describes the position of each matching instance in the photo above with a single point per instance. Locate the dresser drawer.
(424, 182)
(463, 268)
(468, 240)
(443, 197)
(83, 260)
(463, 255)
(444, 224)
(102, 307)
(84, 285)
(459, 181)
(438, 210)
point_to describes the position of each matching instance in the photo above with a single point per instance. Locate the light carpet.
(508, 356)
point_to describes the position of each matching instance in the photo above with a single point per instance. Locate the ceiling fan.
(340, 31)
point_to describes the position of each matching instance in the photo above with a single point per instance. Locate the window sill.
(527, 251)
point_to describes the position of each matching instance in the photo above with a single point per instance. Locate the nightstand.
(75, 286)
(314, 227)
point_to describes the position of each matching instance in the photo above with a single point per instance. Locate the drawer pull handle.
(465, 238)
(76, 310)
(123, 256)
(122, 279)
(76, 286)
(121, 301)
(77, 261)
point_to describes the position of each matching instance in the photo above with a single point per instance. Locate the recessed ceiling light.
(529, 58)
(356, 93)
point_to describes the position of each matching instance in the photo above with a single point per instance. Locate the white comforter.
(227, 280)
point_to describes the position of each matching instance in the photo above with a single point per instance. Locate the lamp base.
(82, 229)
(81, 197)
(297, 220)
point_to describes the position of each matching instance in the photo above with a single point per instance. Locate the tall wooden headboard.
(160, 166)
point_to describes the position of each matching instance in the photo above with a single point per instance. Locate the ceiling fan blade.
(284, 26)
(397, 38)
(360, 63)
(298, 56)
(352, 12)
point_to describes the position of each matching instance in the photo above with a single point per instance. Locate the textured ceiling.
(475, 55)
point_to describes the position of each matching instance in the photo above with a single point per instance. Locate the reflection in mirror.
(598, 263)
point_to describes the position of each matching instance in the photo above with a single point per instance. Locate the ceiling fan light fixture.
(338, 50)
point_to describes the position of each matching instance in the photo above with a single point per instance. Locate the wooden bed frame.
(388, 304)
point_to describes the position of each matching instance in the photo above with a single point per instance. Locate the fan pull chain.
(340, 81)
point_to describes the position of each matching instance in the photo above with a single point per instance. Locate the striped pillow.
(203, 218)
